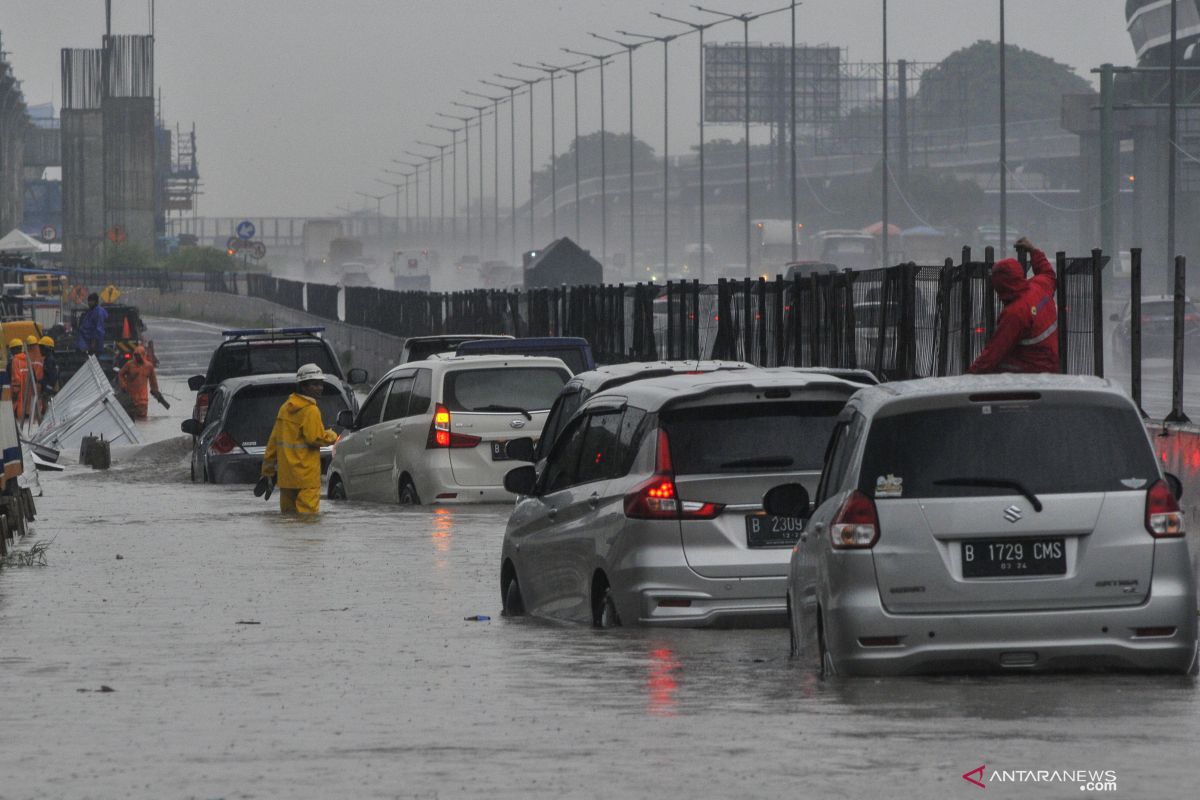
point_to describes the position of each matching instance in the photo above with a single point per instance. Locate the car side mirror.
(1175, 485)
(520, 449)
(357, 376)
(521, 481)
(195, 382)
(345, 419)
(190, 426)
(1114, 317)
(787, 500)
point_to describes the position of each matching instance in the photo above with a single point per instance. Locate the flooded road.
(254, 656)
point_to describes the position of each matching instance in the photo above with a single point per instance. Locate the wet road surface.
(255, 656)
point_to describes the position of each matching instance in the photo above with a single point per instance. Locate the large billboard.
(818, 83)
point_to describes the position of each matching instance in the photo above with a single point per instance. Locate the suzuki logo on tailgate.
(1012, 514)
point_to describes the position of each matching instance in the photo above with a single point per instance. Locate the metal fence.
(904, 321)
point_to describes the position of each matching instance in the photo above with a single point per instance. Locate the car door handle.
(594, 500)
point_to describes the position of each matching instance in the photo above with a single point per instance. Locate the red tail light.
(440, 434)
(201, 409)
(1164, 520)
(1191, 318)
(222, 444)
(657, 498)
(856, 525)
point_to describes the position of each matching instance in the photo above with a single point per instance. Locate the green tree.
(616, 159)
(127, 256)
(199, 259)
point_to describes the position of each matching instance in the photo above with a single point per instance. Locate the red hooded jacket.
(1026, 337)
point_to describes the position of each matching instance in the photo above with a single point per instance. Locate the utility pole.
(512, 155)
(1172, 129)
(407, 216)
(496, 101)
(428, 189)
(1108, 183)
(1003, 138)
(529, 83)
(466, 129)
(600, 61)
(453, 178)
(441, 148)
(886, 230)
(666, 43)
(478, 110)
(699, 29)
(551, 72)
(416, 172)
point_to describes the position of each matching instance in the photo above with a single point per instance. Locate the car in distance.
(648, 510)
(229, 445)
(991, 523)
(1158, 328)
(269, 351)
(419, 348)
(435, 431)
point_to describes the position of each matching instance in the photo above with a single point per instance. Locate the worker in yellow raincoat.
(293, 457)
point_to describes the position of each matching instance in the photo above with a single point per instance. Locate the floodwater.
(254, 656)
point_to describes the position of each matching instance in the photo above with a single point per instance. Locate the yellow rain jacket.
(294, 450)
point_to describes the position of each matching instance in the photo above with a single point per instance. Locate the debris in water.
(477, 618)
(120, 557)
(248, 622)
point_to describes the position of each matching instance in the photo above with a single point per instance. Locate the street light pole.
(496, 101)
(629, 48)
(529, 87)
(1172, 129)
(601, 60)
(407, 216)
(1003, 139)
(699, 29)
(666, 43)
(552, 73)
(575, 70)
(396, 192)
(441, 148)
(512, 154)
(416, 172)
(428, 189)
(886, 185)
(466, 128)
(478, 110)
(453, 178)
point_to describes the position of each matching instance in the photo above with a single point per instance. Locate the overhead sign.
(818, 83)
(246, 229)
(49, 234)
(116, 234)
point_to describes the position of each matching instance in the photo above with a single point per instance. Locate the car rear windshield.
(571, 356)
(238, 359)
(750, 437)
(1050, 447)
(252, 412)
(503, 388)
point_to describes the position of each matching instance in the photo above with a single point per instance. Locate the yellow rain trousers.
(293, 454)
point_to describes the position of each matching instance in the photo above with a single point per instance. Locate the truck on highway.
(412, 270)
(773, 243)
(318, 235)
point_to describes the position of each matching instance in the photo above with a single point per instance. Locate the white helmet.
(309, 372)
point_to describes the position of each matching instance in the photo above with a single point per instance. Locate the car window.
(562, 465)
(396, 406)
(562, 410)
(237, 359)
(633, 430)
(601, 457)
(370, 412)
(1049, 446)
(750, 437)
(422, 392)
(837, 459)
(216, 406)
(529, 388)
(253, 410)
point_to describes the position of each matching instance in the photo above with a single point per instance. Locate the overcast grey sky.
(299, 103)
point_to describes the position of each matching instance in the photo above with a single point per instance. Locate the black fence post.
(696, 321)
(945, 284)
(780, 341)
(966, 329)
(1097, 315)
(670, 320)
(1064, 321)
(989, 294)
(1135, 326)
(849, 324)
(1177, 414)
(760, 320)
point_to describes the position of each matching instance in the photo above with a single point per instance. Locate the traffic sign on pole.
(49, 234)
(246, 229)
(259, 251)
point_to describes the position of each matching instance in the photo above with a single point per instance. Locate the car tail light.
(441, 436)
(856, 525)
(1164, 520)
(201, 409)
(658, 498)
(1191, 318)
(222, 444)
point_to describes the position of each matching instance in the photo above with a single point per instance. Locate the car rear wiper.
(517, 409)
(760, 461)
(996, 483)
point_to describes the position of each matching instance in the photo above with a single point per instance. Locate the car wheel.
(408, 493)
(514, 604)
(606, 611)
(337, 490)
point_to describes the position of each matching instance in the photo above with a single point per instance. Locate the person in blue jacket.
(92, 325)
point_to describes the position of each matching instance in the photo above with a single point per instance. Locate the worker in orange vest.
(136, 377)
(23, 389)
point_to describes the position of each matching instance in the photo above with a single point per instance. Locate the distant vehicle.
(803, 269)
(318, 235)
(122, 333)
(648, 510)
(267, 351)
(576, 353)
(419, 348)
(229, 445)
(847, 248)
(773, 243)
(499, 275)
(467, 266)
(412, 270)
(355, 273)
(345, 249)
(934, 515)
(436, 431)
(1158, 328)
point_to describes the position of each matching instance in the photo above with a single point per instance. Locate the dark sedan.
(1158, 328)
(229, 447)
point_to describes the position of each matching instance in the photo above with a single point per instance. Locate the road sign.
(246, 229)
(110, 294)
(116, 234)
(49, 234)
(259, 251)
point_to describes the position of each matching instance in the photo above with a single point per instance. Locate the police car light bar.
(271, 331)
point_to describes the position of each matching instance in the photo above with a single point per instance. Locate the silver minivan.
(648, 508)
(1009, 522)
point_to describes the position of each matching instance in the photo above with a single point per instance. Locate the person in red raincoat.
(1026, 336)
